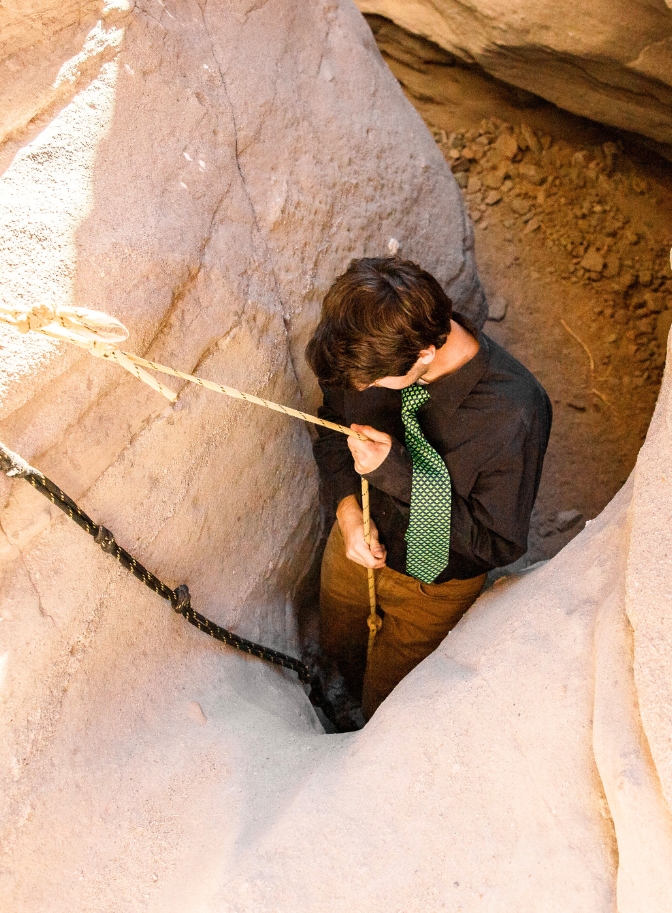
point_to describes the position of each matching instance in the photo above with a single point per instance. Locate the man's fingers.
(360, 553)
(366, 559)
(372, 433)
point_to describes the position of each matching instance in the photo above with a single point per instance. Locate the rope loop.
(78, 325)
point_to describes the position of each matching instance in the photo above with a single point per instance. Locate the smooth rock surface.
(610, 60)
(208, 204)
(201, 172)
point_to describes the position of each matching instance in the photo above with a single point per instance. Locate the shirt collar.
(450, 391)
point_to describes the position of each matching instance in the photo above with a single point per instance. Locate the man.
(456, 434)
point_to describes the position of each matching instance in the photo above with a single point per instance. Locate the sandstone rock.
(526, 764)
(612, 266)
(613, 65)
(593, 261)
(506, 145)
(566, 519)
(545, 661)
(497, 307)
(532, 174)
(530, 139)
(520, 205)
(208, 204)
(494, 179)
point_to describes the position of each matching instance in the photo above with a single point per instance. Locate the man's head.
(380, 319)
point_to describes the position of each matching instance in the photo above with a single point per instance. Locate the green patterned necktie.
(428, 534)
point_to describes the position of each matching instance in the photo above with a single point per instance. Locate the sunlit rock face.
(202, 172)
(525, 765)
(609, 61)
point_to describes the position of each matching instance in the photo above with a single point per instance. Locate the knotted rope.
(16, 467)
(97, 332)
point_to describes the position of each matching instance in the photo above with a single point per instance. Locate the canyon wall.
(202, 172)
(609, 61)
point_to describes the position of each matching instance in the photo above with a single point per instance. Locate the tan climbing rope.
(374, 621)
(97, 332)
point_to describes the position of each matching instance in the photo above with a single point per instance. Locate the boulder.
(152, 172)
(609, 61)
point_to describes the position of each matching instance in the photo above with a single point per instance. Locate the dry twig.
(590, 359)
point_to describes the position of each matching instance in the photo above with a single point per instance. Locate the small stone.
(495, 179)
(593, 261)
(531, 226)
(577, 402)
(475, 185)
(612, 266)
(645, 278)
(566, 519)
(493, 197)
(639, 185)
(506, 145)
(461, 179)
(195, 712)
(473, 153)
(497, 306)
(520, 205)
(530, 138)
(531, 174)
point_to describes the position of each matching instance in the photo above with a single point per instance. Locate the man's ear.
(427, 355)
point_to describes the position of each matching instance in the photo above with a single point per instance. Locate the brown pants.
(417, 618)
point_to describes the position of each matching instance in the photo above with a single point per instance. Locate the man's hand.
(369, 454)
(349, 516)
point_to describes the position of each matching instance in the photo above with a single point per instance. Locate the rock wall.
(609, 61)
(208, 203)
(202, 172)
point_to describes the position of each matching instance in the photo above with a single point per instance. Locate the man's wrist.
(347, 505)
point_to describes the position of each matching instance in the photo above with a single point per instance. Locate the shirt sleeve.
(332, 454)
(492, 523)
(394, 476)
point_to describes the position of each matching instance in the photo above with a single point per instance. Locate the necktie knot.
(412, 398)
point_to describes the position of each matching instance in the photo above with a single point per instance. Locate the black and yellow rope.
(16, 467)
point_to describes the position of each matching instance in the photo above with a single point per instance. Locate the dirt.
(573, 232)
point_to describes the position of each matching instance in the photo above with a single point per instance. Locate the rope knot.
(105, 540)
(181, 599)
(74, 324)
(375, 623)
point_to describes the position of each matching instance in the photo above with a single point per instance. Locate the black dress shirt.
(490, 421)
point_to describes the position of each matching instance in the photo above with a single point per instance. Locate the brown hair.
(376, 319)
